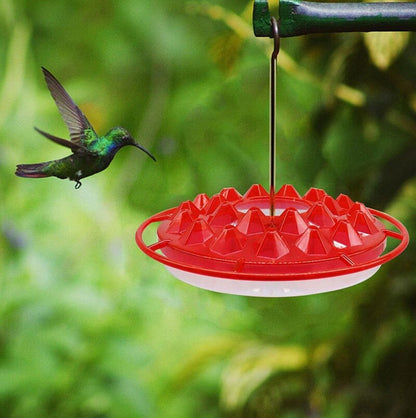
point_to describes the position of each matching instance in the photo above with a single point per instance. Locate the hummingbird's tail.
(31, 170)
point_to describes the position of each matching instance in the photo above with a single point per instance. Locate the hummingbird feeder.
(278, 243)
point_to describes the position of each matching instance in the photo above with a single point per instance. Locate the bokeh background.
(91, 327)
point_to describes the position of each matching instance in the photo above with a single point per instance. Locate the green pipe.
(298, 17)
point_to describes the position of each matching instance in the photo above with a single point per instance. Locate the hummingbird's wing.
(75, 120)
(75, 147)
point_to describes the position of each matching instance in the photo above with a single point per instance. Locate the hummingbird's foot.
(78, 184)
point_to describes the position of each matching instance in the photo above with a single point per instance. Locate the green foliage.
(91, 327)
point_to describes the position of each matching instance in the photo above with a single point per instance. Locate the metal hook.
(275, 36)
(272, 149)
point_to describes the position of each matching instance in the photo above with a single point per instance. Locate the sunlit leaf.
(385, 47)
(254, 365)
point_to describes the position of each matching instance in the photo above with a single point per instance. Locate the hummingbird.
(90, 153)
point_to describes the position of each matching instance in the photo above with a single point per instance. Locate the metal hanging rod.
(272, 141)
(298, 17)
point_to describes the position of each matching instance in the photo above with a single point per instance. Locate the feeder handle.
(298, 17)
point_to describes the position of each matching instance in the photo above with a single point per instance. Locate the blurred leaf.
(337, 67)
(385, 47)
(207, 353)
(252, 366)
(404, 206)
(14, 69)
(225, 50)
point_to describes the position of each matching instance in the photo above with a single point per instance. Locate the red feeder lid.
(313, 244)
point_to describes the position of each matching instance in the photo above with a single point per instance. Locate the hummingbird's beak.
(144, 150)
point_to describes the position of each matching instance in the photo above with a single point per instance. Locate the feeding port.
(229, 243)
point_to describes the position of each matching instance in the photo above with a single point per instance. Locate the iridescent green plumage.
(91, 153)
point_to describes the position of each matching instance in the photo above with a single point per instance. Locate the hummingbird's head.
(122, 137)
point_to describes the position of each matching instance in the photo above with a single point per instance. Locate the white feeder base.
(272, 289)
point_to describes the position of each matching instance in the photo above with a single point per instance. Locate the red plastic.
(231, 236)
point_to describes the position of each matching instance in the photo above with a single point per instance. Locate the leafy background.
(91, 327)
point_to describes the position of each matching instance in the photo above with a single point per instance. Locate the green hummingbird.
(90, 153)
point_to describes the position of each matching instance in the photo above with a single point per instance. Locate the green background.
(90, 326)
